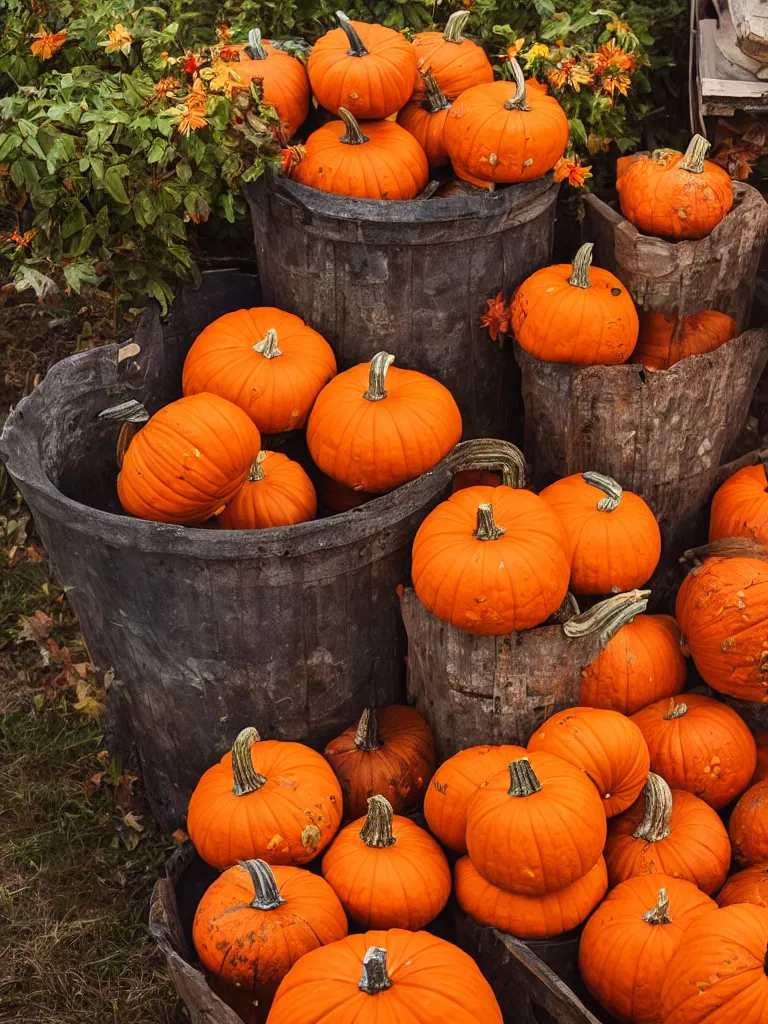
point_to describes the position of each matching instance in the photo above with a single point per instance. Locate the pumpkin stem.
(675, 710)
(254, 49)
(582, 261)
(367, 735)
(658, 810)
(493, 456)
(693, 160)
(268, 347)
(377, 376)
(660, 913)
(375, 978)
(608, 616)
(126, 412)
(266, 892)
(455, 26)
(353, 136)
(518, 101)
(486, 525)
(256, 473)
(356, 45)
(610, 488)
(436, 99)
(727, 547)
(245, 777)
(522, 778)
(377, 830)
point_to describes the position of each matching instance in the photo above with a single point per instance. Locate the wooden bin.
(412, 277)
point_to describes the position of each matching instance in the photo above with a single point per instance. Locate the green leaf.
(578, 131)
(78, 274)
(74, 221)
(113, 183)
(156, 151)
(228, 206)
(24, 172)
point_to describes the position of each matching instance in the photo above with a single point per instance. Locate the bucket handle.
(492, 455)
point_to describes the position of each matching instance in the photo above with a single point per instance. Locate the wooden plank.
(724, 85)
(750, 20)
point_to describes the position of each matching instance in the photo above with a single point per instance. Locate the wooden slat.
(750, 19)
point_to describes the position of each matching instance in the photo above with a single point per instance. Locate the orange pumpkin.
(761, 771)
(188, 461)
(529, 917)
(668, 832)
(254, 922)
(337, 497)
(548, 813)
(615, 539)
(455, 783)
(740, 506)
(722, 608)
(504, 132)
(605, 745)
(718, 973)
(389, 752)
(747, 886)
(367, 69)
(266, 799)
(675, 195)
(264, 360)
(284, 82)
(491, 560)
(277, 492)
(626, 945)
(700, 745)
(375, 427)
(425, 118)
(575, 314)
(456, 63)
(388, 872)
(748, 826)
(640, 664)
(387, 977)
(666, 338)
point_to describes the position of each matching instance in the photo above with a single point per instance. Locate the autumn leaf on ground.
(133, 821)
(180, 835)
(93, 783)
(35, 628)
(87, 701)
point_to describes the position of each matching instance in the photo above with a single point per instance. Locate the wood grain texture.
(412, 277)
(750, 20)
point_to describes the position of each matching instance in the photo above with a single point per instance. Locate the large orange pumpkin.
(748, 826)
(277, 492)
(722, 609)
(368, 69)
(675, 195)
(375, 426)
(548, 813)
(718, 974)
(640, 664)
(457, 63)
(283, 78)
(761, 771)
(626, 945)
(575, 314)
(740, 506)
(264, 360)
(267, 799)
(388, 872)
(605, 745)
(529, 917)
(425, 118)
(700, 745)
(668, 832)
(666, 338)
(389, 752)
(491, 560)
(188, 461)
(614, 536)
(455, 783)
(504, 132)
(747, 886)
(385, 977)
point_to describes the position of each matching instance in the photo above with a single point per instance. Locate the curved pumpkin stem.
(353, 136)
(436, 100)
(608, 616)
(356, 44)
(522, 778)
(377, 376)
(486, 525)
(655, 825)
(377, 830)
(493, 456)
(582, 261)
(455, 26)
(268, 346)
(126, 412)
(375, 978)
(367, 734)
(266, 892)
(245, 777)
(660, 913)
(519, 100)
(255, 49)
(610, 488)
(693, 160)
(726, 547)
(675, 710)
(256, 473)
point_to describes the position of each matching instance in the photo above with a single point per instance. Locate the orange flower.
(197, 97)
(192, 63)
(164, 86)
(23, 241)
(621, 28)
(616, 82)
(516, 47)
(223, 33)
(611, 56)
(498, 317)
(190, 120)
(572, 172)
(47, 43)
(569, 72)
(118, 38)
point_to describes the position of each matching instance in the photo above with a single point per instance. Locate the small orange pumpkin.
(761, 771)
(425, 118)
(457, 63)
(747, 886)
(615, 539)
(388, 872)
(748, 826)
(675, 195)
(666, 338)
(283, 78)
(575, 314)
(375, 427)
(277, 492)
(337, 497)
(740, 506)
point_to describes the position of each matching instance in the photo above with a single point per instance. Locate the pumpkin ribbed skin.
(605, 745)
(761, 770)
(717, 975)
(640, 664)
(337, 497)
(432, 980)
(456, 66)
(623, 958)
(284, 495)
(455, 783)
(557, 832)
(706, 749)
(529, 917)
(748, 826)
(494, 586)
(188, 461)
(747, 886)
(284, 83)
(740, 506)
(277, 391)
(428, 128)
(666, 338)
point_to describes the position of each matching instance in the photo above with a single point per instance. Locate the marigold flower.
(498, 317)
(192, 63)
(197, 97)
(611, 56)
(618, 82)
(221, 78)
(516, 47)
(572, 171)
(47, 43)
(190, 120)
(537, 50)
(569, 72)
(117, 38)
(164, 86)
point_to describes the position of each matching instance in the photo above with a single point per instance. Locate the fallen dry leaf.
(179, 835)
(93, 783)
(133, 821)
